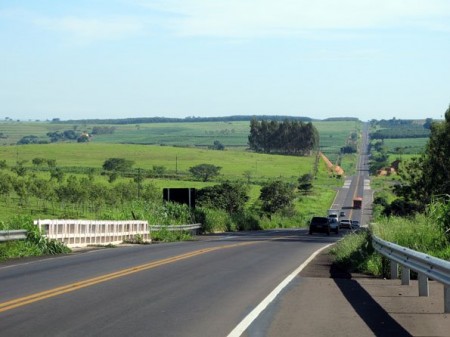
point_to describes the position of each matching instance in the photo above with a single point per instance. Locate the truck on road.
(333, 214)
(357, 202)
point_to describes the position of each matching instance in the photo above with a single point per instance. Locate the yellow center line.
(21, 301)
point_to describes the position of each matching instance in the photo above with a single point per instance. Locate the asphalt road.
(197, 288)
(357, 185)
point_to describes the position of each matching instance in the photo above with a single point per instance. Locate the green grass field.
(406, 145)
(174, 159)
(333, 134)
(177, 147)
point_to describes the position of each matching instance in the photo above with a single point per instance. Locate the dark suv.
(319, 224)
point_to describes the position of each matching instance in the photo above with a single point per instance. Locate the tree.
(276, 196)
(28, 140)
(117, 164)
(290, 137)
(38, 161)
(205, 171)
(229, 196)
(428, 176)
(159, 170)
(57, 173)
(305, 183)
(217, 146)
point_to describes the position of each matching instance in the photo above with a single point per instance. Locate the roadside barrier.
(194, 228)
(80, 233)
(426, 266)
(18, 234)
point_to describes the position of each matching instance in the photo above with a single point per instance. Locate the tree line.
(141, 120)
(291, 137)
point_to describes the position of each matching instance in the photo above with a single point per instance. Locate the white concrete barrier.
(81, 233)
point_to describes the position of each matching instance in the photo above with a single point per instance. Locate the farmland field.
(333, 134)
(174, 159)
(176, 147)
(406, 145)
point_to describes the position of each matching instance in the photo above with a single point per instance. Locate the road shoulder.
(327, 301)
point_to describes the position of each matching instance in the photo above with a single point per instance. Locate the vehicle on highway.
(333, 214)
(334, 225)
(342, 214)
(357, 203)
(345, 223)
(355, 224)
(319, 224)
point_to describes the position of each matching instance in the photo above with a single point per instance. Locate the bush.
(214, 220)
(246, 221)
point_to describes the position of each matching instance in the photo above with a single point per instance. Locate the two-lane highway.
(198, 288)
(357, 185)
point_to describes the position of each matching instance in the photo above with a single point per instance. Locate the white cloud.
(86, 30)
(254, 18)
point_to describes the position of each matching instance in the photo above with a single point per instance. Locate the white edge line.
(248, 320)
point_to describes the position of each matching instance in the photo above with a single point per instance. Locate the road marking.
(248, 320)
(18, 302)
(347, 183)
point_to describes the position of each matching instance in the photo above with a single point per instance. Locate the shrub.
(214, 220)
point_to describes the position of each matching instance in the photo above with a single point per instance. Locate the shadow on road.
(376, 318)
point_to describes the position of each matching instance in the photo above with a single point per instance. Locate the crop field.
(333, 134)
(406, 145)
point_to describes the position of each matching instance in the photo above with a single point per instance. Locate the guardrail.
(17, 234)
(171, 228)
(426, 266)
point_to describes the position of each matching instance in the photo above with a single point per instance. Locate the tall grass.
(420, 233)
(425, 233)
(34, 245)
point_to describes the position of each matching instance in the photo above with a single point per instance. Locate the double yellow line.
(18, 302)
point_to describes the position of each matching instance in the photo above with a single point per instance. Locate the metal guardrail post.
(394, 270)
(406, 276)
(446, 298)
(423, 285)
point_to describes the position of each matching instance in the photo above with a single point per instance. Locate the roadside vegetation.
(34, 245)
(411, 207)
(56, 175)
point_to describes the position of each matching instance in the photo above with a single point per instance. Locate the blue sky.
(177, 58)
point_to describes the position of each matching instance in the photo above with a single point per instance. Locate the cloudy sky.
(178, 58)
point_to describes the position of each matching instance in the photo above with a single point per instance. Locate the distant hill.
(142, 120)
(341, 119)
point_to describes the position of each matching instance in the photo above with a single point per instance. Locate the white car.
(345, 223)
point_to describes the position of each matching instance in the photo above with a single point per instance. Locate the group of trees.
(82, 194)
(379, 156)
(427, 177)
(276, 196)
(401, 128)
(56, 136)
(291, 137)
(193, 119)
